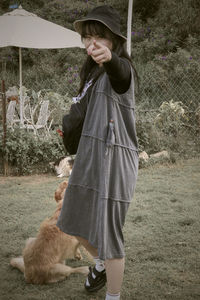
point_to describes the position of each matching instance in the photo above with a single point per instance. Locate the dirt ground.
(162, 236)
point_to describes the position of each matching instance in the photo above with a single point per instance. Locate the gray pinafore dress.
(103, 179)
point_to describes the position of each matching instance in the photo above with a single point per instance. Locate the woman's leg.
(93, 251)
(114, 274)
(97, 277)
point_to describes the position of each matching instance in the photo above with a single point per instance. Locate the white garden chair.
(42, 117)
(10, 114)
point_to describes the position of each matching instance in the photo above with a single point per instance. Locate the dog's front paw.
(13, 262)
(17, 262)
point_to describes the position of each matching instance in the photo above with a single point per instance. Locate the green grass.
(162, 236)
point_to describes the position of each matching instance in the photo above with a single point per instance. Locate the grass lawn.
(162, 236)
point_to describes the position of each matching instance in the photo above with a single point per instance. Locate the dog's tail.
(18, 263)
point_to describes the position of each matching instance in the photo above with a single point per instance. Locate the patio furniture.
(10, 114)
(42, 117)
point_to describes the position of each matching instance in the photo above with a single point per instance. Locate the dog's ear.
(57, 196)
(71, 162)
(63, 185)
(59, 193)
(57, 162)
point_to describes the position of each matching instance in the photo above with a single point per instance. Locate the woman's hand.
(99, 52)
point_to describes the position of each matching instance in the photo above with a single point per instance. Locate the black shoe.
(95, 283)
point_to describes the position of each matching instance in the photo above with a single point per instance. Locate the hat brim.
(78, 26)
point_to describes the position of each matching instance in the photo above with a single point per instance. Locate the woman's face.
(88, 41)
(96, 31)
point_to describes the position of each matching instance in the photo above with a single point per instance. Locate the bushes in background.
(164, 129)
(26, 151)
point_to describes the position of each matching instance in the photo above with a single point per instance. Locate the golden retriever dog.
(43, 259)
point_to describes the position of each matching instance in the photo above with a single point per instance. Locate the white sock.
(112, 296)
(99, 264)
(99, 267)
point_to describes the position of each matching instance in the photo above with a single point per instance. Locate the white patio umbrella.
(21, 28)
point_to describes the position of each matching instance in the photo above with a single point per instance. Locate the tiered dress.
(103, 179)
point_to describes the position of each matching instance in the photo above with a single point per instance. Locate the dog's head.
(59, 193)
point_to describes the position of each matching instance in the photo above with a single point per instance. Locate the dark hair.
(89, 69)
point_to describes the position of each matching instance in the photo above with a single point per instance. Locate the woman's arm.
(117, 68)
(119, 73)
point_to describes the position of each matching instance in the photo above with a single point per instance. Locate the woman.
(103, 178)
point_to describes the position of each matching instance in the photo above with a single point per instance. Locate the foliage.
(150, 138)
(165, 48)
(183, 18)
(146, 9)
(59, 105)
(24, 150)
(170, 76)
(170, 117)
(168, 128)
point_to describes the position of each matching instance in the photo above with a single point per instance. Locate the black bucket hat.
(105, 14)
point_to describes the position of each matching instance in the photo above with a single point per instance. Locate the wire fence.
(174, 101)
(154, 90)
(167, 110)
(179, 92)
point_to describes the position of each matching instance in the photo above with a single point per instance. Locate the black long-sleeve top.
(119, 73)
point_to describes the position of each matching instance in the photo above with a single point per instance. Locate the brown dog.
(44, 256)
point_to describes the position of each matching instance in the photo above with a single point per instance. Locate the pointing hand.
(99, 52)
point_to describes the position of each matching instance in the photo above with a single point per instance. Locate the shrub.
(171, 117)
(150, 138)
(168, 128)
(58, 105)
(24, 150)
(146, 9)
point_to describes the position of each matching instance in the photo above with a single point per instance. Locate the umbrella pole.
(130, 13)
(5, 155)
(20, 88)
